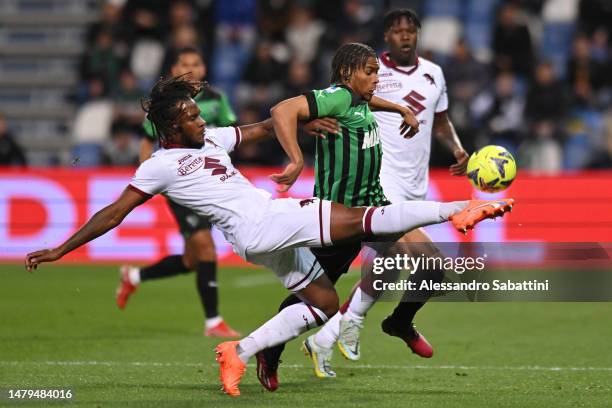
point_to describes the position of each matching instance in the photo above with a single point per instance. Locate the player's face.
(364, 80)
(402, 40)
(190, 125)
(191, 65)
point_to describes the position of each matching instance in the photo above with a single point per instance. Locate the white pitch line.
(300, 366)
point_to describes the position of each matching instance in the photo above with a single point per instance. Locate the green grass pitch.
(60, 328)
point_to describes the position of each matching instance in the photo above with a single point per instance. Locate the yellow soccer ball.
(491, 169)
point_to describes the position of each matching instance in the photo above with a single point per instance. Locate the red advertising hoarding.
(41, 208)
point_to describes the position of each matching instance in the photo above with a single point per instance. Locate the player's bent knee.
(346, 223)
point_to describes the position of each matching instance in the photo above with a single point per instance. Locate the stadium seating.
(40, 43)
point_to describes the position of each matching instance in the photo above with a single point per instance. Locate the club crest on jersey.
(430, 79)
(218, 169)
(188, 167)
(370, 139)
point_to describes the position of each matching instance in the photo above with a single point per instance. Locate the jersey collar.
(174, 146)
(386, 60)
(356, 100)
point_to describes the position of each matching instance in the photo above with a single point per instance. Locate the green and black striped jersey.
(347, 165)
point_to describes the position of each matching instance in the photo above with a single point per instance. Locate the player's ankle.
(451, 208)
(134, 275)
(213, 321)
(351, 315)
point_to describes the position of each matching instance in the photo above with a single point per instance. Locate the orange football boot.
(478, 210)
(222, 330)
(231, 368)
(125, 288)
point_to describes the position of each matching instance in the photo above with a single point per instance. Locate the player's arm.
(318, 127)
(264, 130)
(257, 132)
(410, 125)
(444, 131)
(101, 222)
(285, 116)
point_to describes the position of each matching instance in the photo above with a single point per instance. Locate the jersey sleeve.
(150, 178)
(442, 105)
(333, 101)
(226, 137)
(227, 116)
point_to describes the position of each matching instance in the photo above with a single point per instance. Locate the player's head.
(188, 61)
(174, 113)
(401, 35)
(355, 66)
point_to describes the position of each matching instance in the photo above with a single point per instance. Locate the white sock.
(213, 321)
(327, 336)
(286, 325)
(134, 276)
(360, 303)
(448, 209)
(407, 215)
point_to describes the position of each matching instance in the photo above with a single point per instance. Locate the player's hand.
(286, 179)
(318, 126)
(459, 168)
(45, 255)
(410, 125)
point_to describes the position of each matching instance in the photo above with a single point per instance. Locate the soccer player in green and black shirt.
(347, 162)
(199, 253)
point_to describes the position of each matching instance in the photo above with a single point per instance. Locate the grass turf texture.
(60, 328)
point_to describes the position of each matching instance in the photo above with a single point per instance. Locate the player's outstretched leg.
(358, 223)
(322, 302)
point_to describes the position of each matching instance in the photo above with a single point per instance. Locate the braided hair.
(348, 59)
(163, 103)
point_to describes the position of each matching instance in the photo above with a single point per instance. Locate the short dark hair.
(395, 16)
(162, 104)
(348, 59)
(185, 50)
